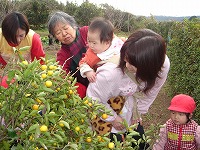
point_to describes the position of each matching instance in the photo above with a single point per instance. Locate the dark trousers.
(140, 130)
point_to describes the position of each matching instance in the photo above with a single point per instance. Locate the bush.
(41, 109)
(184, 54)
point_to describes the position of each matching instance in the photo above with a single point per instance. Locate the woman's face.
(21, 34)
(64, 33)
(130, 67)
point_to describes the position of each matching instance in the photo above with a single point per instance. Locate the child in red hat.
(180, 132)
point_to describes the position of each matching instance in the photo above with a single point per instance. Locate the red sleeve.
(37, 49)
(4, 81)
(2, 62)
(90, 58)
(81, 90)
(62, 56)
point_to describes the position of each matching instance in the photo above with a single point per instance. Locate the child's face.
(95, 44)
(178, 117)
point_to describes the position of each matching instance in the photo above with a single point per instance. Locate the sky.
(175, 8)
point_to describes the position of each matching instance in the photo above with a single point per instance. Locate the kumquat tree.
(40, 109)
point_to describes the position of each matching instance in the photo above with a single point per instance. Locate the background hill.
(172, 18)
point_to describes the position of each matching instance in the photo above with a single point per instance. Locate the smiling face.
(21, 34)
(179, 117)
(64, 33)
(95, 44)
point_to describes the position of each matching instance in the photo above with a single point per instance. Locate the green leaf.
(133, 126)
(74, 82)
(62, 133)
(19, 73)
(88, 130)
(27, 73)
(37, 132)
(149, 140)
(52, 120)
(25, 48)
(41, 94)
(43, 145)
(48, 89)
(33, 127)
(5, 145)
(74, 146)
(48, 106)
(62, 96)
(134, 133)
(85, 107)
(23, 114)
(11, 75)
(59, 137)
(12, 133)
(66, 124)
(33, 112)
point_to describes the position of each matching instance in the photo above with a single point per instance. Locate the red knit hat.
(182, 103)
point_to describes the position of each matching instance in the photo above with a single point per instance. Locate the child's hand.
(91, 75)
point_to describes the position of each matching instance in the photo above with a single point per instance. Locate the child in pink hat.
(180, 132)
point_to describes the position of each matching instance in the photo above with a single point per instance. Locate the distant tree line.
(38, 11)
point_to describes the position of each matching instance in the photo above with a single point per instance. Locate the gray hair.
(60, 17)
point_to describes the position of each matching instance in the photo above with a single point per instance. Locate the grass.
(43, 32)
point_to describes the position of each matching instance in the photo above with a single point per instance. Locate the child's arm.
(85, 68)
(160, 143)
(197, 137)
(87, 63)
(90, 58)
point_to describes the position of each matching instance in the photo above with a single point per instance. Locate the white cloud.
(154, 7)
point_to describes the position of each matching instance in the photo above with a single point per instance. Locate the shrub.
(184, 54)
(41, 109)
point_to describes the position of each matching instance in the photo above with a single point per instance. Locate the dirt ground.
(158, 113)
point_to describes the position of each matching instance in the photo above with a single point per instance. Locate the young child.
(180, 132)
(103, 45)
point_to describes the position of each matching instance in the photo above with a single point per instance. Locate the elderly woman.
(73, 45)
